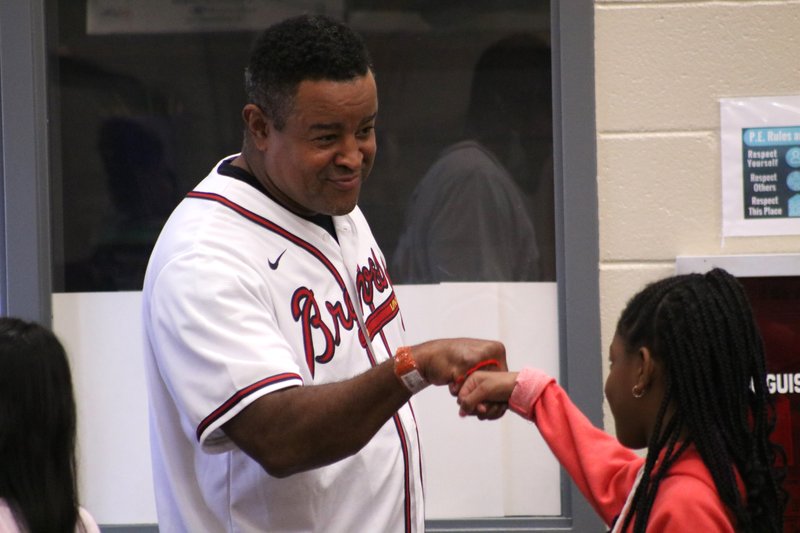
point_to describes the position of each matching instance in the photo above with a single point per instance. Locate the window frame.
(25, 216)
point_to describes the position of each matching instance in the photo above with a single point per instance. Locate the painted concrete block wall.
(660, 69)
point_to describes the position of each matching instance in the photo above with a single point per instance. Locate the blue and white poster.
(760, 148)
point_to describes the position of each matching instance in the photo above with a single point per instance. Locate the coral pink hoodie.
(605, 471)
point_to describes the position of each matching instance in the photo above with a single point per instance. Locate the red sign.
(776, 305)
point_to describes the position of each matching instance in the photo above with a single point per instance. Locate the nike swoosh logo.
(274, 264)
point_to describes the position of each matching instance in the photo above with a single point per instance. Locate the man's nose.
(350, 154)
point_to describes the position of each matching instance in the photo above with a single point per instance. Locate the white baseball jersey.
(243, 298)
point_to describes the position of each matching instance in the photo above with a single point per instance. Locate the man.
(278, 380)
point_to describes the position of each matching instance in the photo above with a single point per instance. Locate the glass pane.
(147, 99)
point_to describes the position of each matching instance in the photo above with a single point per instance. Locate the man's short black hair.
(307, 47)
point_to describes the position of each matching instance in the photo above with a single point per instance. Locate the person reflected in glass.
(38, 477)
(143, 190)
(477, 212)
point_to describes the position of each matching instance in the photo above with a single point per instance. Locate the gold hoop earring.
(637, 391)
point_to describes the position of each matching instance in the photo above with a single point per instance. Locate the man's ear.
(257, 125)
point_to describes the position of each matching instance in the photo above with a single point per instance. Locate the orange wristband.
(406, 369)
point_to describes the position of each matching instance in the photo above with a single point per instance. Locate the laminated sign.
(760, 149)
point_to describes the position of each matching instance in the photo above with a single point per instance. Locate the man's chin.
(342, 207)
(342, 210)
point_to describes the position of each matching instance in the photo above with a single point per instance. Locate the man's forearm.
(301, 428)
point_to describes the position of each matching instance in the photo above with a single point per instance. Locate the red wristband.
(406, 369)
(482, 364)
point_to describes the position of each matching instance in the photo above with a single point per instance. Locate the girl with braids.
(687, 380)
(38, 489)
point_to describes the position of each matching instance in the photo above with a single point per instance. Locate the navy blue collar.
(227, 168)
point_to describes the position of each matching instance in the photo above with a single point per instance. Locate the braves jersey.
(244, 298)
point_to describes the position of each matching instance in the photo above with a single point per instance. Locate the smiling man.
(278, 377)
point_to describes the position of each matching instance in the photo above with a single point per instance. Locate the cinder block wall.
(661, 68)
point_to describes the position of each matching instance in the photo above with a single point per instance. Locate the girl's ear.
(647, 370)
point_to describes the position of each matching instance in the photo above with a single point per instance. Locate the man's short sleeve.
(216, 341)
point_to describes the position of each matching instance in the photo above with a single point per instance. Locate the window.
(147, 102)
(100, 82)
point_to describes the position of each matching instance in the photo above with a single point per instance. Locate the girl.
(687, 380)
(38, 487)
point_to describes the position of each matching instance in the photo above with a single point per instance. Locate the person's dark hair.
(37, 429)
(511, 87)
(701, 327)
(308, 47)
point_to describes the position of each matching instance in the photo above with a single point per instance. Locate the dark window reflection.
(473, 215)
(139, 119)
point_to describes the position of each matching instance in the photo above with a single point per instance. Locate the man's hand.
(447, 361)
(450, 361)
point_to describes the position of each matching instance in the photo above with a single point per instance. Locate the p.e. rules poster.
(760, 149)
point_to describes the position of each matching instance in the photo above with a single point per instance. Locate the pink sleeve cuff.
(531, 382)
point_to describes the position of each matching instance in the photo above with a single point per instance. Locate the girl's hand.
(483, 391)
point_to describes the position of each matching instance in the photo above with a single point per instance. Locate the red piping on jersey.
(380, 321)
(406, 472)
(241, 394)
(268, 224)
(419, 455)
(273, 227)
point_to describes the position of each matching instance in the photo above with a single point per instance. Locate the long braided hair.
(702, 330)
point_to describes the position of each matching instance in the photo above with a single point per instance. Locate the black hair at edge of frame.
(701, 327)
(307, 47)
(37, 429)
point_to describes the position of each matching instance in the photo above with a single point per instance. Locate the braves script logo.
(322, 324)
(369, 278)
